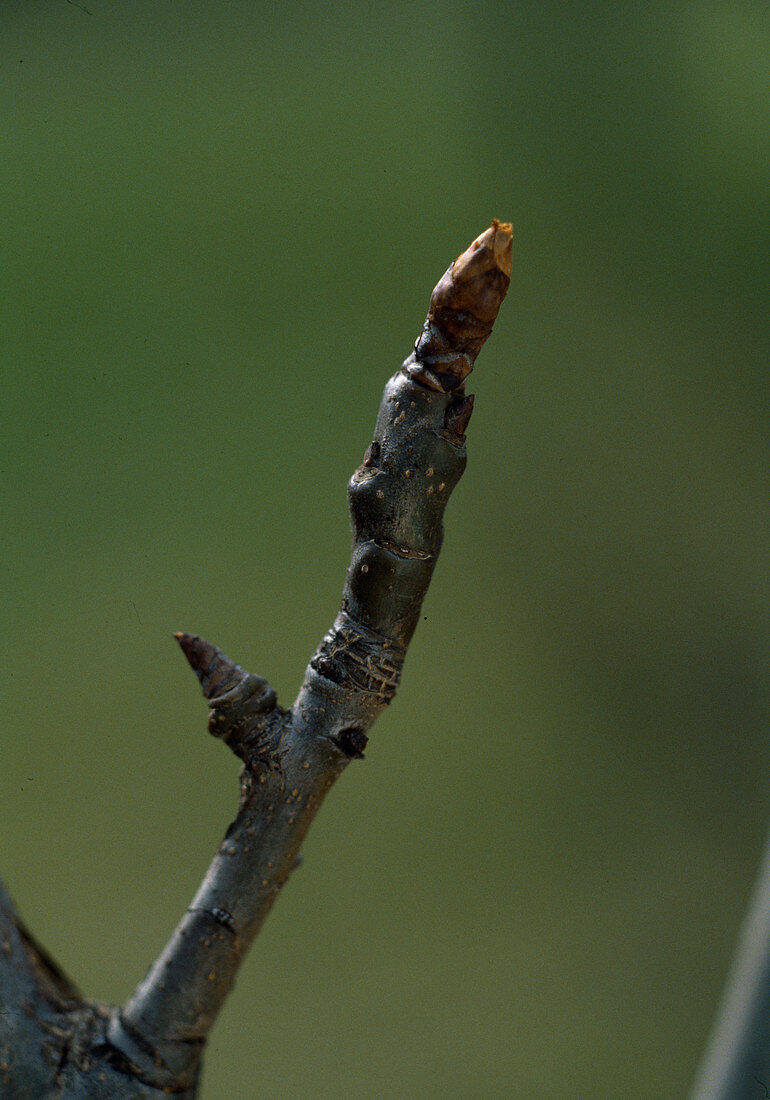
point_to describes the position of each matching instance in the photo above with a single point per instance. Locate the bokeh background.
(221, 226)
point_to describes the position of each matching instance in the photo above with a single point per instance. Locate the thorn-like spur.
(215, 670)
(232, 692)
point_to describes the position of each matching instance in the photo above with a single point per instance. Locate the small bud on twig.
(216, 672)
(229, 688)
(458, 414)
(463, 308)
(353, 742)
(372, 455)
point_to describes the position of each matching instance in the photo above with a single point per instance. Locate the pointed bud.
(372, 455)
(238, 698)
(458, 414)
(216, 672)
(463, 308)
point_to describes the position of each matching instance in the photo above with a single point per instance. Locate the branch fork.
(152, 1045)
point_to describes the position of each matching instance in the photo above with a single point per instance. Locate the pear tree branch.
(152, 1045)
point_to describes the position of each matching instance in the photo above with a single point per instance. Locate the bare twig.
(153, 1044)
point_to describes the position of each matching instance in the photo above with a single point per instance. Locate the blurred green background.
(221, 226)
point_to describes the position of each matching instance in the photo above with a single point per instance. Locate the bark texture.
(52, 1041)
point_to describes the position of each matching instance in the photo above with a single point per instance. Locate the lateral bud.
(458, 415)
(216, 672)
(234, 693)
(353, 742)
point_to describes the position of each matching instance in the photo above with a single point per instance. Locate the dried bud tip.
(458, 414)
(496, 245)
(463, 308)
(480, 275)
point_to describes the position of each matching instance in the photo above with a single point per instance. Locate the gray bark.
(54, 1042)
